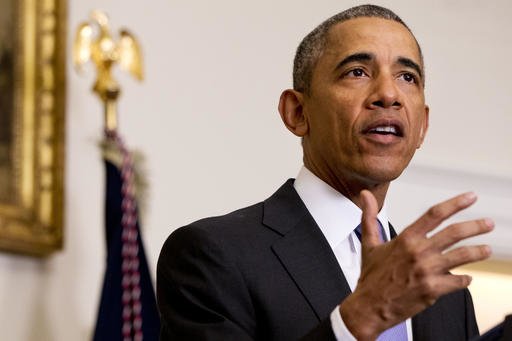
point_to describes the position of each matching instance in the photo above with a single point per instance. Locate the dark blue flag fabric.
(128, 308)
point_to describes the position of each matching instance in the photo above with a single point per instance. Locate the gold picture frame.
(32, 154)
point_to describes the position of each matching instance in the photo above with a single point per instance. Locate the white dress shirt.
(337, 218)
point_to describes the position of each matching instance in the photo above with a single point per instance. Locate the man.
(311, 261)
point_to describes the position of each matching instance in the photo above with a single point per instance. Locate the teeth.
(385, 129)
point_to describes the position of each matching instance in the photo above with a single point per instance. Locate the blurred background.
(206, 119)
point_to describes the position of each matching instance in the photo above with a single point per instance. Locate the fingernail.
(468, 198)
(488, 250)
(489, 222)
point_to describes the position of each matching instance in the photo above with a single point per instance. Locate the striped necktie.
(399, 331)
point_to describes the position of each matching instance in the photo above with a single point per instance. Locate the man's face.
(365, 109)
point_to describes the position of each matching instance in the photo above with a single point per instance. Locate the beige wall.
(206, 119)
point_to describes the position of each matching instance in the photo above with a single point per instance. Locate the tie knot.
(382, 233)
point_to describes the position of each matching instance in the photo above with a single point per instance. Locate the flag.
(128, 308)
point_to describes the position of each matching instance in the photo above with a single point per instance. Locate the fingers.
(465, 254)
(440, 264)
(440, 212)
(441, 285)
(457, 232)
(369, 227)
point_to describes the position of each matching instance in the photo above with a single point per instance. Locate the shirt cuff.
(339, 328)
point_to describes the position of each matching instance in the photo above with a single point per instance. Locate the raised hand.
(406, 275)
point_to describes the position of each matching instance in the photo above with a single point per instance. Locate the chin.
(387, 175)
(380, 171)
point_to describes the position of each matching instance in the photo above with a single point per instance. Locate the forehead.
(385, 38)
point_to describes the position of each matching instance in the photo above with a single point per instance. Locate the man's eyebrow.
(356, 57)
(410, 64)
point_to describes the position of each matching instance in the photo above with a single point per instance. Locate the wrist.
(359, 318)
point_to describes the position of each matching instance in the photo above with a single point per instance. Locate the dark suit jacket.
(267, 272)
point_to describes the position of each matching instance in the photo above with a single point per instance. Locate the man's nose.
(385, 93)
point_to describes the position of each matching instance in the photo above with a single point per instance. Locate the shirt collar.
(334, 213)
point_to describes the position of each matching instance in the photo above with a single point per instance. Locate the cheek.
(334, 117)
(412, 94)
(416, 114)
(418, 119)
(346, 108)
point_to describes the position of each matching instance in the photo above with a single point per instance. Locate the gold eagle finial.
(94, 41)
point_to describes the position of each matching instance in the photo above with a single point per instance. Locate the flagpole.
(110, 106)
(127, 308)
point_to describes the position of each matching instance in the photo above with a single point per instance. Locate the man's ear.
(424, 127)
(292, 112)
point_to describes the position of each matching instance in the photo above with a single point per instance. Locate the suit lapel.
(304, 251)
(392, 232)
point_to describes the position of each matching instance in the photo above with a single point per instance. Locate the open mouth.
(385, 127)
(386, 130)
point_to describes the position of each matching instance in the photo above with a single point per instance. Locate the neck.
(351, 186)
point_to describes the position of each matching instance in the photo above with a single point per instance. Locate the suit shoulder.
(212, 229)
(245, 216)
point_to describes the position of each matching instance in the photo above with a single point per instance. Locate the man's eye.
(356, 73)
(408, 77)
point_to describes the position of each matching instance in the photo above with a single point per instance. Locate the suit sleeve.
(200, 293)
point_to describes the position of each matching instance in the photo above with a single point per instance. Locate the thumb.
(370, 230)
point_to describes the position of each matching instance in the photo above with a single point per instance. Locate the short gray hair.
(312, 46)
